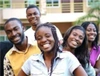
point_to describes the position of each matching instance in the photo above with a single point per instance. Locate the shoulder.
(5, 45)
(34, 57)
(29, 30)
(67, 54)
(9, 52)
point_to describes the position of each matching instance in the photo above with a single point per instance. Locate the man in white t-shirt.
(33, 16)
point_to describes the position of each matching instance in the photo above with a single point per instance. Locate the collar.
(93, 48)
(39, 57)
(14, 49)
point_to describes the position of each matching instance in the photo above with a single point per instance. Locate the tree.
(93, 14)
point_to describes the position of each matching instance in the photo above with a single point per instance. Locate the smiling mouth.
(45, 45)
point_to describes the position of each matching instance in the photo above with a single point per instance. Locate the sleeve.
(98, 57)
(8, 71)
(73, 63)
(59, 34)
(25, 67)
(90, 70)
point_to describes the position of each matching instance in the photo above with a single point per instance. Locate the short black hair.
(33, 6)
(12, 19)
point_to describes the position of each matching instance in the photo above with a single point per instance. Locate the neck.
(35, 26)
(48, 59)
(23, 45)
(89, 45)
(69, 49)
(48, 56)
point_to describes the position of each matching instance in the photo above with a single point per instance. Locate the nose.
(92, 32)
(43, 39)
(33, 15)
(77, 38)
(13, 33)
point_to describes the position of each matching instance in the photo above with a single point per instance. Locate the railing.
(72, 7)
(78, 7)
(63, 7)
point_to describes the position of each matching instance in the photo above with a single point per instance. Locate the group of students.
(38, 51)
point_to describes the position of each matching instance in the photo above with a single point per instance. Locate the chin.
(18, 43)
(91, 40)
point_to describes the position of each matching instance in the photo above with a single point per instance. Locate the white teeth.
(92, 36)
(74, 42)
(46, 45)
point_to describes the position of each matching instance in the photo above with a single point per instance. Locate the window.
(5, 3)
(78, 6)
(30, 2)
(52, 3)
(3, 38)
(93, 2)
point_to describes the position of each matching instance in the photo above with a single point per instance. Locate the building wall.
(56, 15)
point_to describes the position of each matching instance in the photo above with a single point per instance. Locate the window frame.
(4, 4)
(27, 4)
(87, 2)
(5, 38)
(52, 4)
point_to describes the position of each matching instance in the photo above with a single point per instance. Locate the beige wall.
(18, 4)
(63, 26)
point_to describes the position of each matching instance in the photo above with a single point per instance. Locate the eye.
(48, 35)
(35, 13)
(16, 28)
(29, 15)
(74, 34)
(88, 30)
(8, 32)
(38, 37)
(94, 30)
(81, 37)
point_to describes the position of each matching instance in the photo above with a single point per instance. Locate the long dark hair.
(85, 25)
(56, 47)
(80, 52)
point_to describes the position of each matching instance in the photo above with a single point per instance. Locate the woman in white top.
(52, 61)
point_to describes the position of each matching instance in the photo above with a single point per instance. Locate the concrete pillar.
(43, 6)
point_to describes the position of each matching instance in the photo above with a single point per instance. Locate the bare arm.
(80, 71)
(97, 66)
(21, 73)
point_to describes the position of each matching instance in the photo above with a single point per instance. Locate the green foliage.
(92, 15)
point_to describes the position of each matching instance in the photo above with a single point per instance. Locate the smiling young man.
(21, 49)
(33, 16)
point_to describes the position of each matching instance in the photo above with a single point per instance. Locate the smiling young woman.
(75, 41)
(49, 62)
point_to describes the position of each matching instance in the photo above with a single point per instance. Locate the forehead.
(78, 31)
(91, 26)
(43, 29)
(32, 10)
(12, 24)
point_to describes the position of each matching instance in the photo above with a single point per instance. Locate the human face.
(75, 38)
(33, 16)
(14, 31)
(91, 32)
(45, 39)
